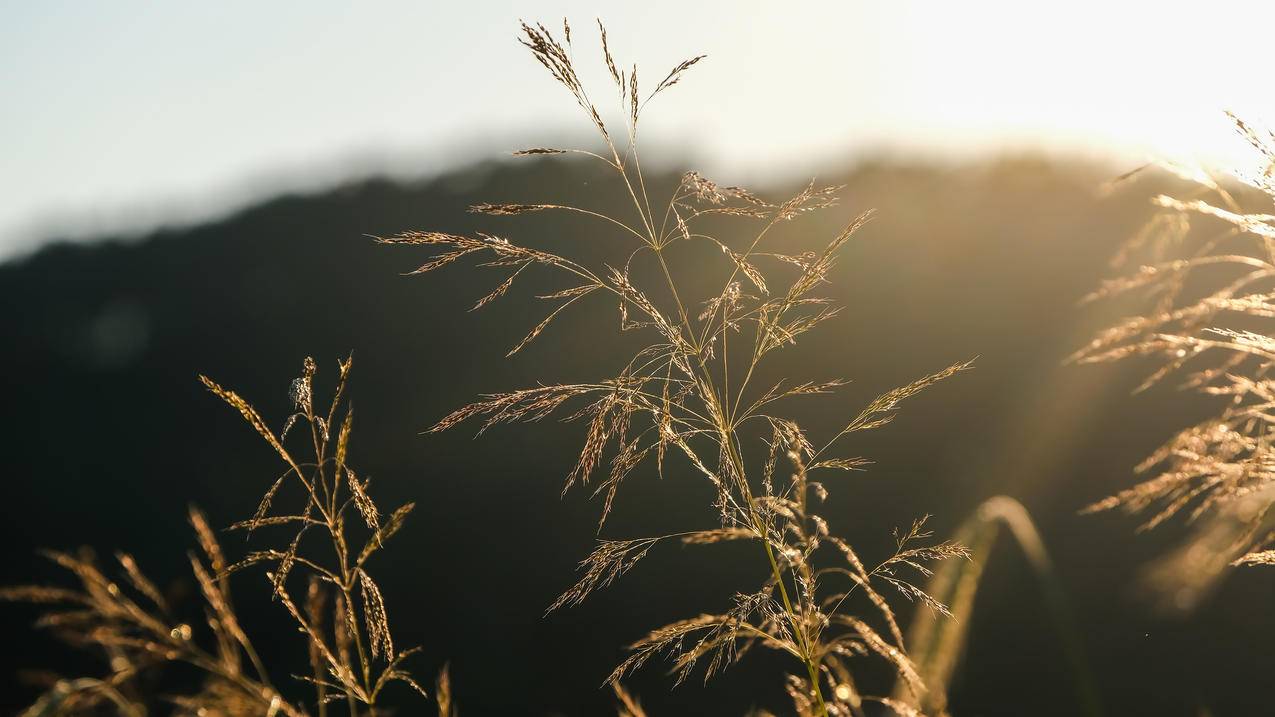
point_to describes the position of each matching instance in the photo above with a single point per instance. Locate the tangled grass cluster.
(342, 617)
(1208, 270)
(691, 402)
(691, 393)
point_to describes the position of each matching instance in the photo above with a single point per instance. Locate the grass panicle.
(1209, 279)
(351, 652)
(690, 401)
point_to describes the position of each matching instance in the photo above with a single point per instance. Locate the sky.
(120, 116)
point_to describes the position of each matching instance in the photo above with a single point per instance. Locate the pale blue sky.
(120, 115)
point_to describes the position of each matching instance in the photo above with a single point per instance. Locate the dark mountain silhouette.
(108, 434)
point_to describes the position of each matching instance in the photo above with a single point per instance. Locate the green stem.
(812, 667)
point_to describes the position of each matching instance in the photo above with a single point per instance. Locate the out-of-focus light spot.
(117, 335)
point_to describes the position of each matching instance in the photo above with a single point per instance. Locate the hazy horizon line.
(139, 219)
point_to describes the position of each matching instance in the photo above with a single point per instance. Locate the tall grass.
(1206, 265)
(937, 643)
(342, 616)
(690, 403)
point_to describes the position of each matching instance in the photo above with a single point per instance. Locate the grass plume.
(690, 401)
(352, 654)
(1209, 277)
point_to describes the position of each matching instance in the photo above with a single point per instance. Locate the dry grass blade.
(251, 416)
(387, 531)
(936, 644)
(378, 625)
(628, 704)
(607, 562)
(443, 693)
(140, 582)
(363, 502)
(675, 75)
